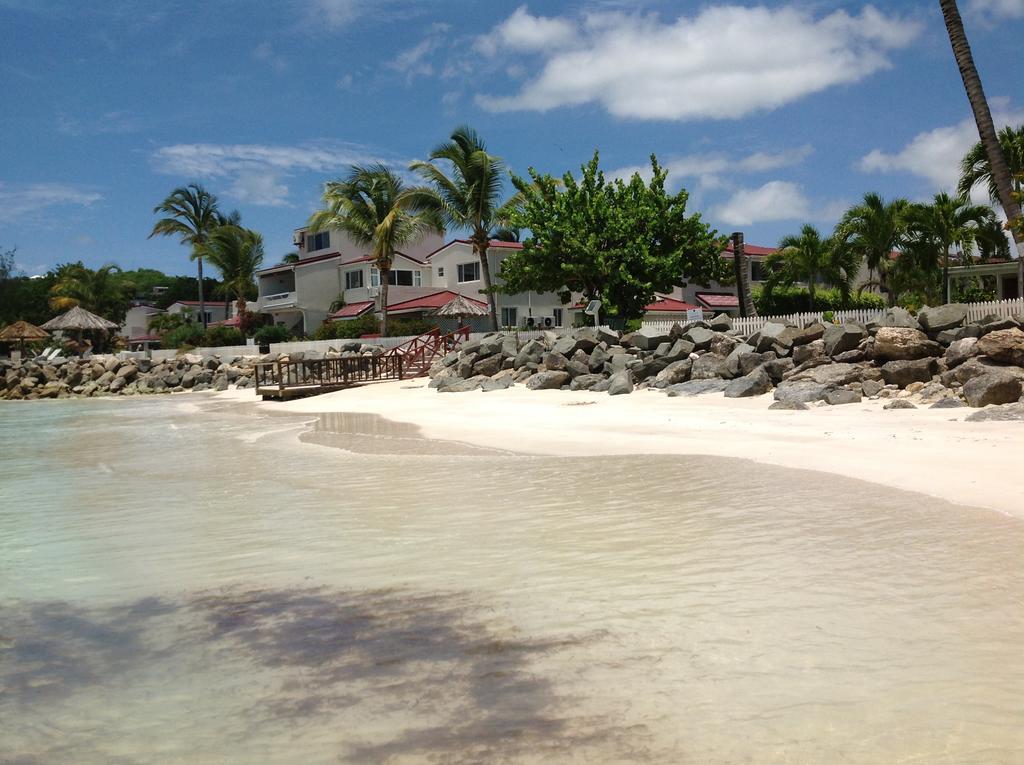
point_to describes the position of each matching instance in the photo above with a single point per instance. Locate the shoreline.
(928, 451)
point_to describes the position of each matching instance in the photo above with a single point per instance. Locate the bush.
(186, 334)
(402, 327)
(272, 333)
(786, 300)
(217, 336)
(347, 329)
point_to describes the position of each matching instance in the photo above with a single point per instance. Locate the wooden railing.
(418, 354)
(282, 379)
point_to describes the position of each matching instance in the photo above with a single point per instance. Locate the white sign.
(694, 314)
(592, 307)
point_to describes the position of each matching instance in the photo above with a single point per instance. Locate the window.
(440, 271)
(353, 279)
(320, 241)
(398, 277)
(509, 316)
(469, 272)
(557, 314)
(756, 271)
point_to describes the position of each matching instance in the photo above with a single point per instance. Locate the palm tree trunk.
(202, 303)
(385, 274)
(983, 118)
(485, 276)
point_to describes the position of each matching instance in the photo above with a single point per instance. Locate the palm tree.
(976, 169)
(935, 229)
(375, 208)
(999, 168)
(238, 254)
(810, 259)
(469, 196)
(103, 291)
(291, 257)
(871, 231)
(192, 216)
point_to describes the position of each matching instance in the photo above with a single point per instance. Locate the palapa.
(22, 330)
(461, 306)
(79, 318)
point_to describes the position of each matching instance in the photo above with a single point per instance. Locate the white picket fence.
(752, 324)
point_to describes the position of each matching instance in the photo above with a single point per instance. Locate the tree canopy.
(619, 241)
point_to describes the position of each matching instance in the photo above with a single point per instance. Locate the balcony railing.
(280, 298)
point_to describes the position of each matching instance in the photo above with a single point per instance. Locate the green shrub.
(347, 329)
(217, 336)
(272, 333)
(786, 300)
(402, 327)
(186, 334)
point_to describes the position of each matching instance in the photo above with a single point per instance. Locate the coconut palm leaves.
(191, 215)
(976, 169)
(375, 208)
(238, 254)
(467, 194)
(810, 259)
(103, 291)
(871, 231)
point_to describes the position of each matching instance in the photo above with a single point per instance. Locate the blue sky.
(772, 115)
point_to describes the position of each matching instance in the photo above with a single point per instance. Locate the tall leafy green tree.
(466, 190)
(238, 254)
(620, 241)
(934, 230)
(192, 215)
(976, 169)
(375, 208)
(102, 291)
(870, 232)
(809, 258)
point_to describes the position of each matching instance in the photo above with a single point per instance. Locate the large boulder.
(902, 343)
(1004, 345)
(801, 391)
(492, 384)
(565, 345)
(753, 384)
(842, 396)
(709, 366)
(1004, 412)
(840, 338)
(489, 365)
(554, 361)
(585, 382)
(620, 383)
(996, 387)
(960, 351)
(531, 352)
(547, 380)
(463, 386)
(721, 323)
(648, 338)
(490, 345)
(903, 373)
(701, 337)
(833, 374)
(934, 320)
(676, 372)
(981, 365)
(898, 317)
(696, 387)
(812, 350)
(586, 339)
(809, 334)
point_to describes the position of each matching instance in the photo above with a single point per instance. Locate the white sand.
(933, 452)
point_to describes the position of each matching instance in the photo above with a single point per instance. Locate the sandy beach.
(933, 452)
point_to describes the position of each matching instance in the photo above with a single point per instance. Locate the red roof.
(670, 305)
(711, 300)
(352, 310)
(144, 339)
(749, 249)
(302, 262)
(234, 321)
(428, 302)
(207, 303)
(493, 244)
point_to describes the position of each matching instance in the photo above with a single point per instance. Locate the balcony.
(277, 300)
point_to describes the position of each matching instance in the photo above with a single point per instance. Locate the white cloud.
(255, 171)
(1006, 9)
(725, 62)
(935, 154)
(117, 122)
(22, 200)
(413, 61)
(709, 169)
(775, 200)
(265, 52)
(335, 14)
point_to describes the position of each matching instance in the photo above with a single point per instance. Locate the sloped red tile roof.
(667, 304)
(711, 300)
(352, 310)
(749, 249)
(493, 244)
(427, 302)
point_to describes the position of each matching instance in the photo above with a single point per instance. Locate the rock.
(777, 369)
(840, 338)
(707, 367)
(577, 368)
(696, 387)
(804, 353)
(647, 339)
(1004, 412)
(732, 361)
(833, 375)
(468, 347)
(500, 384)
(723, 345)
(934, 320)
(674, 373)
(952, 402)
(870, 388)
(598, 357)
(700, 337)
(902, 373)
(898, 317)
(455, 385)
(996, 387)
(721, 323)
(753, 384)
(585, 382)
(850, 357)
(188, 380)
(554, 361)
(991, 323)
(565, 345)
(802, 390)
(899, 403)
(842, 396)
(620, 383)
(961, 350)
(490, 345)
(948, 336)
(1004, 345)
(609, 336)
(809, 334)
(681, 349)
(586, 339)
(792, 405)
(488, 366)
(531, 352)
(903, 343)
(547, 380)
(981, 365)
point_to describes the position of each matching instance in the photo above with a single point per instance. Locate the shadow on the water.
(459, 689)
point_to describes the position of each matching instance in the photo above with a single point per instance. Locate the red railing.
(418, 354)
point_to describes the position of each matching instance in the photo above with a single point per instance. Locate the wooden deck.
(282, 380)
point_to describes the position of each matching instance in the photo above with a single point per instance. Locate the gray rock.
(1003, 345)
(674, 373)
(576, 368)
(960, 351)
(620, 383)
(188, 380)
(850, 357)
(723, 345)
(753, 384)
(696, 387)
(840, 338)
(585, 382)
(899, 403)
(903, 343)
(681, 349)
(948, 336)
(707, 367)
(598, 357)
(991, 323)
(609, 336)
(1002, 413)
(952, 402)
(732, 361)
(792, 405)
(721, 323)
(903, 373)
(531, 352)
(700, 337)
(802, 390)
(898, 317)
(996, 387)
(832, 375)
(809, 334)
(804, 353)
(870, 388)
(565, 345)
(547, 380)
(500, 384)
(777, 369)
(648, 339)
(980, 365)
(554, 361)
(490, 365)
(842, 396)
(934, 320)
(490, 345)
(463, 386)
(586, 339)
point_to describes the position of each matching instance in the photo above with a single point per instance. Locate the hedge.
(787, 300)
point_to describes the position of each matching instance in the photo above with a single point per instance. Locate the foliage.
(161, 323)
(975, 168)
(972, 291)
(249, 322)
(468, 196)
(786, 300)
(348, 329)
(411, 326)
(272, 333)
(184, 288)
(373, 206)
(220, 335)
(620, 241)
(238, 254)
(871, 231)
(103, 291)
(187, 334)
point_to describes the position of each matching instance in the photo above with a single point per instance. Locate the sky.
(771, 115)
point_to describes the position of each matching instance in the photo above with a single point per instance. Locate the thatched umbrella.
(79, 319)
(461, 307)
(22, 331)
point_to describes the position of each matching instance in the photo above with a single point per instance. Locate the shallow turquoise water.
(195, 585)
